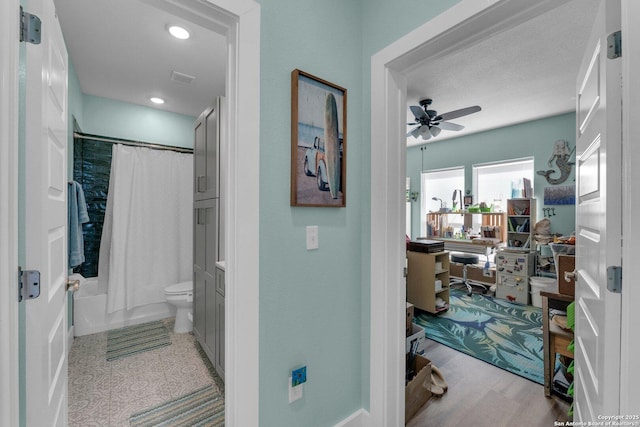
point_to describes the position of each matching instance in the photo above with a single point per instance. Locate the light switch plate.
(312, 237)
(295, 393)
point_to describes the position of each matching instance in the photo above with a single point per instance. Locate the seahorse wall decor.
(561, 154)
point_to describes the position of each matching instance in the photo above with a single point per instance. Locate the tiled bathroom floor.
(105, 393)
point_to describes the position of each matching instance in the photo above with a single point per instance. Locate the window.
(494, 183)
(438, 184)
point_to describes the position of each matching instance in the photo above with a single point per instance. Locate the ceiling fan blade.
(450, 126)
(418, 112)
(415, 132)
(457, 113)
(435, 131)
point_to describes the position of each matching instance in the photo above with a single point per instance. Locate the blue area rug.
(496, 331)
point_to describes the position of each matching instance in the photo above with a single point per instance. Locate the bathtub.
(90, 311)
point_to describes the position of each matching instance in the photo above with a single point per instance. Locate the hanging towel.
(77, 216)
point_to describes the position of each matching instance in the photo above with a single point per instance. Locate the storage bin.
(540, 284)
(418, 389)
(417, 333)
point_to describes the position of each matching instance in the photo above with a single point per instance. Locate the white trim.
(360, 418)
(242, 214)
(510, 161)
(240, 20)
(630, 345)
(9, 57)
(466, 21)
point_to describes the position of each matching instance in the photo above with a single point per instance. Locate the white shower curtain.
(147, 234)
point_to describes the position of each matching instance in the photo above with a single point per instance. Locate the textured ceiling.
(121, 50)
(523, 73)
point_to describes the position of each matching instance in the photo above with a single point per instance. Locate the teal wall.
(535, 138)
(117, 119)
(310, 301)
(314, 305)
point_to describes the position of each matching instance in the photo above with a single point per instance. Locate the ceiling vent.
(181, 78)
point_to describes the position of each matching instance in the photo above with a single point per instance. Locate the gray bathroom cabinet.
(208, 279)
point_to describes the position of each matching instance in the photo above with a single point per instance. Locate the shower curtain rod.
(132, 143)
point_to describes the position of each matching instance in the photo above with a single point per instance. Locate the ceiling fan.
(431, 123)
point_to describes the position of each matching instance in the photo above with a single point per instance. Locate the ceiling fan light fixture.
(178, 32)
(432, 123)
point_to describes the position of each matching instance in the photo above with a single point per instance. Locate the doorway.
(462, 24)
(240, 22)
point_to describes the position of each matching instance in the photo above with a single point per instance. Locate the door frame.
(630, 345)
(239, 20)
(9, 58)
(466, 22)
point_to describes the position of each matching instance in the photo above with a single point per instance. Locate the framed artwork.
(560, 195)
(318, 142)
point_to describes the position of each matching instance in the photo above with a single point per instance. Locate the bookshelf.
(424, 270)
(521, 217)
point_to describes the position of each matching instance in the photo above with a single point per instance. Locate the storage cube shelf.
(521, 217)
(421, 279)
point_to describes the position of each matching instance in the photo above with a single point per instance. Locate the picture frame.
(318, 142)
(560, 195)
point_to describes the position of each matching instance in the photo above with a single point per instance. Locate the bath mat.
(496, 331)
(136, 339)
(203, 407)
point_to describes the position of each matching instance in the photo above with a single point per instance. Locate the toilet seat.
(179, 288)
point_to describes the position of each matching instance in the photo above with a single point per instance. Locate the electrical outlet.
(296, 383)
(312, 237)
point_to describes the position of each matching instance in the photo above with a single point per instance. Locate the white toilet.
(181, 296)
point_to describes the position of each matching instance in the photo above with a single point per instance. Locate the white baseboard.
(360, 418)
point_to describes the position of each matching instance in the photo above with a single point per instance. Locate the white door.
(46, 221)
(598, 222)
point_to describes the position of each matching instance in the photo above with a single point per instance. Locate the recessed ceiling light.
(156, 100)
(178, 32)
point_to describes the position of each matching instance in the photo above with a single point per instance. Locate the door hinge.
(30, 27)
(614, 279)
(614, 45)
(28, 284)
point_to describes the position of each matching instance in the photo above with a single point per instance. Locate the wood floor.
(481, 395)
